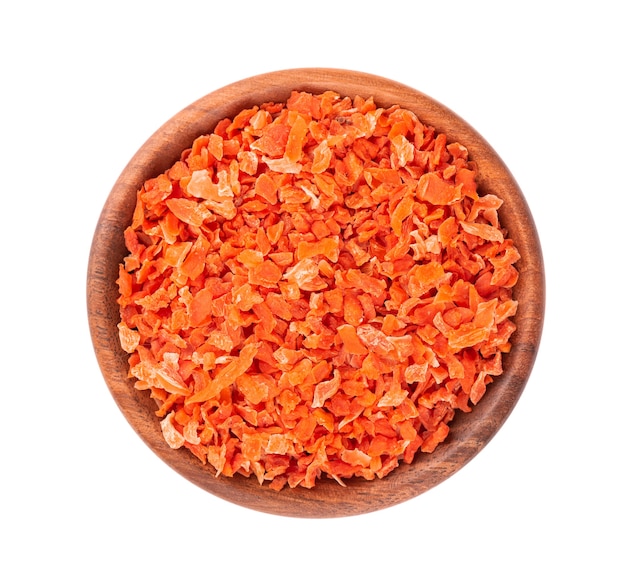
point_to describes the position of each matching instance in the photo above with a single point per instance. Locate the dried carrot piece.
(200, 307)
(326, 389)
(350, 340)
(266, 274)
(433, 189)
(328, 247)
(227, 376)
(314, 289)
(194, 262)
(188, 211)
(296, 138)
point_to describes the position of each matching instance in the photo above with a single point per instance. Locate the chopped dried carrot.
(314, 289)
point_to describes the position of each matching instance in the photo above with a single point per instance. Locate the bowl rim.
(469, 433)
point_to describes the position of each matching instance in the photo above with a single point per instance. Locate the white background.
(84, 85)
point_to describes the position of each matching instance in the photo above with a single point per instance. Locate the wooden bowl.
(469, 433)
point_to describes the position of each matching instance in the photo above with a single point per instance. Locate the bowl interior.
(469, 433)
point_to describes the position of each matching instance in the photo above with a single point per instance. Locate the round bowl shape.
(469, 433)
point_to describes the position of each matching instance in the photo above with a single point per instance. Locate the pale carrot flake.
(326, 389)
(393, 398)
(302, 272)
(282, 165)
(403, 151)
(279, 444)
(356, 457)
(484, 231)
(322, 155)
(129, 339)
(172, 436)
(190, 432)
(248, 162)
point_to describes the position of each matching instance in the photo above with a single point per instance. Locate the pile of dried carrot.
(315, 288)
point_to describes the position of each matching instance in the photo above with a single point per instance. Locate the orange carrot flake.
(315, 289)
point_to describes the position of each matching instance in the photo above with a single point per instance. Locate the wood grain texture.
(469, 432)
